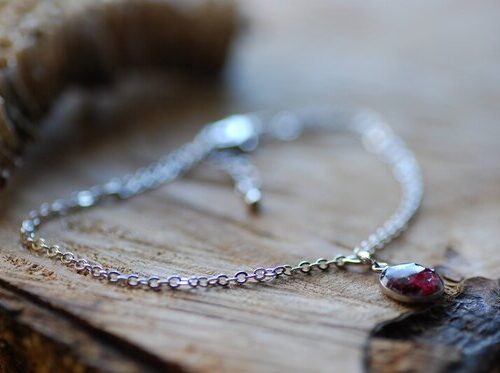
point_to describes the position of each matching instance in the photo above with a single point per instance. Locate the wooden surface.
(431, 69)
(460, 334)
(50, 47)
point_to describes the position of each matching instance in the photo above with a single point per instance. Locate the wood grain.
(431, 69)
(460, 334)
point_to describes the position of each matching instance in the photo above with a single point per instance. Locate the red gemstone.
(411, 282)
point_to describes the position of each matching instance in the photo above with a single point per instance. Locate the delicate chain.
(217, 142)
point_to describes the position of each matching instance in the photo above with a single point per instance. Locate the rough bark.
(460, 334)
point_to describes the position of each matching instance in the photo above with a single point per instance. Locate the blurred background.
(431, 68)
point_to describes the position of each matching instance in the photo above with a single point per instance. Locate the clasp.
(362, 261)
(236, 131)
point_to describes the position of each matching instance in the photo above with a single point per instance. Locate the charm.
(411, 283)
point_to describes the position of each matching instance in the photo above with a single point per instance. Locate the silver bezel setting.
(410, 298)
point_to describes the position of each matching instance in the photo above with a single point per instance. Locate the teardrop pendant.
(411, 283)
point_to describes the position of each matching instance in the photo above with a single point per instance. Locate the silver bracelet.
(223, 143)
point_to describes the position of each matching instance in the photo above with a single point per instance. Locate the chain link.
(213, 142)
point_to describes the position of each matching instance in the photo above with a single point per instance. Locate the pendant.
(411, 283)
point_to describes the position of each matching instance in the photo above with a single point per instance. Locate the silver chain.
(223, 144)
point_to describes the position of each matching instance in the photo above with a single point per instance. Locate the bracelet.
(223, 144)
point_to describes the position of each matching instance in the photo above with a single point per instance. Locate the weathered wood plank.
(430, 69)
(38, 336)
(461, 334)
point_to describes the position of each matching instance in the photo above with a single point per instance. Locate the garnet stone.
(411, 283)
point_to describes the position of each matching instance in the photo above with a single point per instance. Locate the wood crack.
(17, 304)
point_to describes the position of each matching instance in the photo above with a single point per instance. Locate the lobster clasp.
(236, 131)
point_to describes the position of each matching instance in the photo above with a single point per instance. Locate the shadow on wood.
(462, 334)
